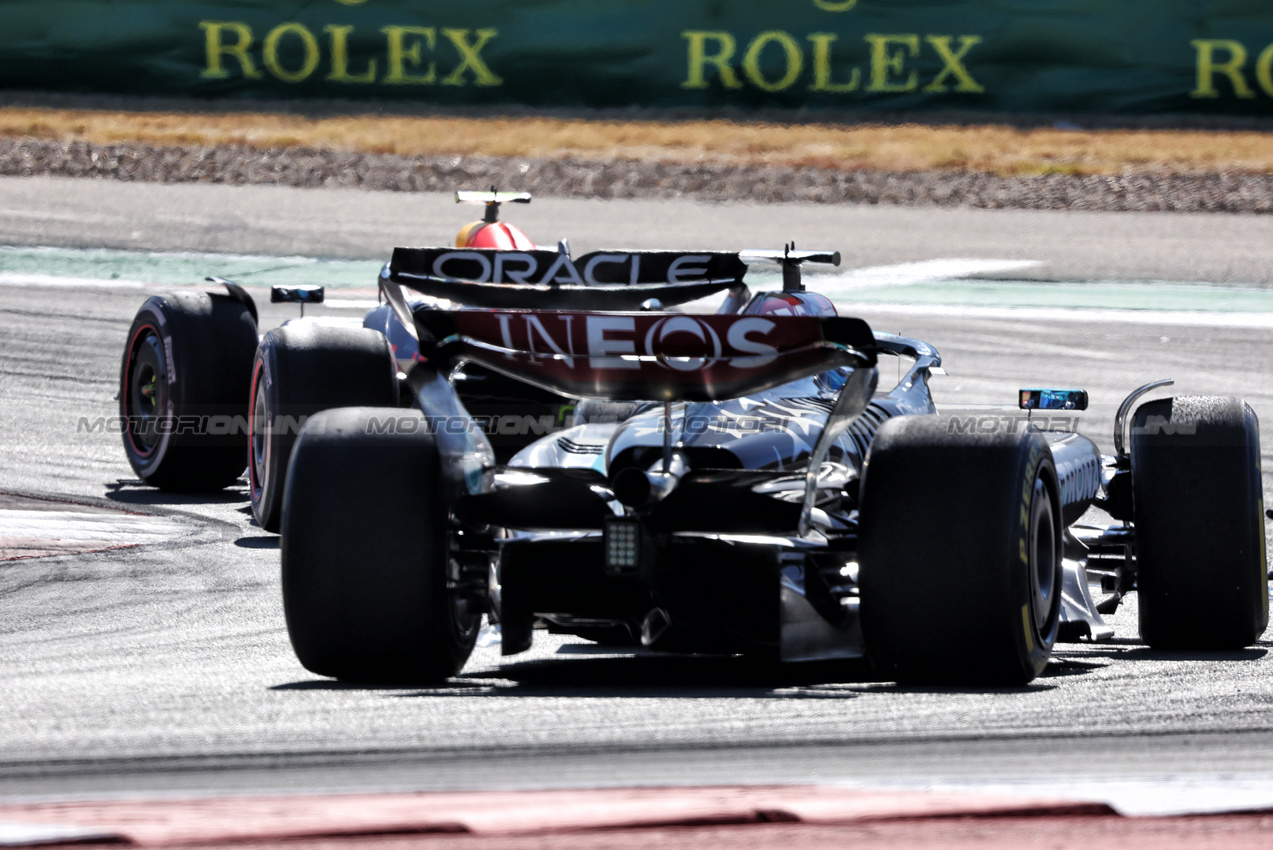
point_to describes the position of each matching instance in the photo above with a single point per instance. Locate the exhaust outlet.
(644, 488)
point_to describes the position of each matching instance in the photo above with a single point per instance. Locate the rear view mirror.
(1052, 399)
(296, 295)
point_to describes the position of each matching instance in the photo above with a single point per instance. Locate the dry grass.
(990, 148)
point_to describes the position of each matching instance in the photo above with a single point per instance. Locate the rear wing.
(553, 280)
(644, 356)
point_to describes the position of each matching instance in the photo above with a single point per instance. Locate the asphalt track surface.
(165, 668)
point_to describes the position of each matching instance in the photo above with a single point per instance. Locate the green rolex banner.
(1129, 56)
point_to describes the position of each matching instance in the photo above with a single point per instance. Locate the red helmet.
(490, 232)
(496, 234)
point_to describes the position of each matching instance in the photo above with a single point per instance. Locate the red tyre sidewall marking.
(143, 454)
(257, 488)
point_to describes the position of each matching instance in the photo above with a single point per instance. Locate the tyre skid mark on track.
(39, 528)
(60, 282)
(922, 271)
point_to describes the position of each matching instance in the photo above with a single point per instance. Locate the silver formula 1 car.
(733, 482)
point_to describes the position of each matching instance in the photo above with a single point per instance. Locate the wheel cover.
(145, 391)
(1043, 555)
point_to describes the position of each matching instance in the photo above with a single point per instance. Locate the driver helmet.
(499, 235)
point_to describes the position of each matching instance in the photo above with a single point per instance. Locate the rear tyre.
(299, 370)
(183, 390)
(368, 574)
(1197, 505)
(959, 551)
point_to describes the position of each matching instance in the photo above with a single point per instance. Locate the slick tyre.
(368, 575)
(1197, 506)
(301, 369)
(183, 390)
(959, 554)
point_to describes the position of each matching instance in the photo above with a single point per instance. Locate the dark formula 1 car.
(734, 483)
(201, 390)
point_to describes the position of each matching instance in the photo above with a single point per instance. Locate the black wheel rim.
(145, 392)
(259, 438)
(1043, 555)
(465, 608)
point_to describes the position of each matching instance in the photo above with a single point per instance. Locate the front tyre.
(369, 579)
(959, 550)
(183, 390)
(1198, 510)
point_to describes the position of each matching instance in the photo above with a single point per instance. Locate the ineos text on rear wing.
(645, 356)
